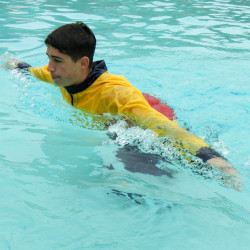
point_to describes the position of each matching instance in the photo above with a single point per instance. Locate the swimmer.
(88, 86)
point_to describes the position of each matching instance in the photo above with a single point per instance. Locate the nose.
(51, 67)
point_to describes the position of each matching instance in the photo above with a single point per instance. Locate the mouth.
(55, 77)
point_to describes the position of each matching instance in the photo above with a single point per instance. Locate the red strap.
(163, 108)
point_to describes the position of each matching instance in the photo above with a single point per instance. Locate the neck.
(90, 77)
(84, 76)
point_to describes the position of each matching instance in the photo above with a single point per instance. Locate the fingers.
(233, 182)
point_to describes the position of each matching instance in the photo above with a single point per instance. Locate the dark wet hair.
(75, 40)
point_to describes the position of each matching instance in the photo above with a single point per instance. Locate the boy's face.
(64, 71)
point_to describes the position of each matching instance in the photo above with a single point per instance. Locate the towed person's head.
(70, 49)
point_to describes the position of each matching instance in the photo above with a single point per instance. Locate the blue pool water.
(55, 191)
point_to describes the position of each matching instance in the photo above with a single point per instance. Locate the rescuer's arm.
(182, 139)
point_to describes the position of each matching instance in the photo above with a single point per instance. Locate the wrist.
(207, 153)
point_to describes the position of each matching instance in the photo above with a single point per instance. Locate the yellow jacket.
(109, 93)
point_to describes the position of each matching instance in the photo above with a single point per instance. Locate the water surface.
(56, 192)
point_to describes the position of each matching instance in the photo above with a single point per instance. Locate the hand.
(10, 64)
(233, 179)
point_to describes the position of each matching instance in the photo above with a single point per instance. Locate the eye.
(57, 60)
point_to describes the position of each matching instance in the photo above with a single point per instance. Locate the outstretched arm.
(182, 139)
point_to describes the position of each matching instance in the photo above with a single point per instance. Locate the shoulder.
(113, 79)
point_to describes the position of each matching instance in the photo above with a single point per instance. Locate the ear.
(84, 61)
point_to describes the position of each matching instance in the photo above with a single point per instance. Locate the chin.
(58, 83)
